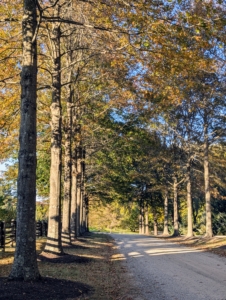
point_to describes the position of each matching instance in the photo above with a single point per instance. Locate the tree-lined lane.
(164, 270)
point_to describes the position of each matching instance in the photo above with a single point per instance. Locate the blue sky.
(2, 167)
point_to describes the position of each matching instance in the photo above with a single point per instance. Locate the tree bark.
(189, 201)
(209, 231)
(25, 262)
(175, 207)
(53, 243)
(155, 224)
(83, 206)
(78, 194)
(142, 229)
(73, 222)
(82, 212)
(146, 220)
(140, 217)
(87, 213)
(66, 236)
(166, 230)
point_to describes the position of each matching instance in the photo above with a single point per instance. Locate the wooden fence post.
(38, 228)
(44, 228)
(8, 232)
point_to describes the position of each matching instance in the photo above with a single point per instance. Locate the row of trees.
(185, 113)
(154, 178)
(129, 99)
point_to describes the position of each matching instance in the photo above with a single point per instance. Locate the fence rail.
(8, 232)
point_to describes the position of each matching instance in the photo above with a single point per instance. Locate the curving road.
(161, 270)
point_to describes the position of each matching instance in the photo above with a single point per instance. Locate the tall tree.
(66, 235)
(54, 244)
(25, 263)
(166, 209)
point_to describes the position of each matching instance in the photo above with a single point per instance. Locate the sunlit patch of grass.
(6, 260)
(216, 244)
(40, 244)
(6, 257)
(118, 256)
(91, 256)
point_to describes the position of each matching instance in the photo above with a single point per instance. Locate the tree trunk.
(146, 220)
(53, 243)
(175, 207)
(87, 212)
(83, 214)
(25, 262)
(83, 211)
(189, 202)
(78, 197)
(140, 218)
(209, 232)
(73, 222)
(195, 214)
(82, 201)
(155, 224)
(66, 236)
(166, 230)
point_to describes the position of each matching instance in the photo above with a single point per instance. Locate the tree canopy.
(123, 103)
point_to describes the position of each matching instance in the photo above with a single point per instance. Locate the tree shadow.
(45, 289)
(221, 247)
(62, 259)
(74, 246)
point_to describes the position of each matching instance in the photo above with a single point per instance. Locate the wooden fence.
(8, 232)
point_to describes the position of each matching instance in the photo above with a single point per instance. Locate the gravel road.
(161, 270)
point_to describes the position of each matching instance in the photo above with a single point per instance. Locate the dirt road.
(161, 270)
